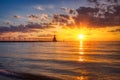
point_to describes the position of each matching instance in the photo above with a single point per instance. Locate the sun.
(81, 36)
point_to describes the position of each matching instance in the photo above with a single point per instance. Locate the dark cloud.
(103, 13)
(93, 1)
(33, 17)
(17, 16)
(19, 28)
(30, 27)
(116, 30)
(93, 17)
(96, 1)
(68, 10)
(62, 19)
(64, 8)
(7, 23)
(72, 11)
(85, 15)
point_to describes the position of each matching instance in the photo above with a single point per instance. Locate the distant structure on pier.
(54, 38)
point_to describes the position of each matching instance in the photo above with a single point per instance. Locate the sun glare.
(81, 36)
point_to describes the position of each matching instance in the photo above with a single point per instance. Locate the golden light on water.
(82, 78)
(81, 58)
(81, 45)
(81, 52)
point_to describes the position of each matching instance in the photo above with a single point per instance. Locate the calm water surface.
(64, 60)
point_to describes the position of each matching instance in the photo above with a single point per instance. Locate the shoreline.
(27, 41)
(10, 75)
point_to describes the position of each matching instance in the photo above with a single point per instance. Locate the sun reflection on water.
(81, 45)
(81, 52)
(81, 59)
(82, 78)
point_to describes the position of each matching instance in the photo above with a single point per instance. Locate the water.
(64, 60)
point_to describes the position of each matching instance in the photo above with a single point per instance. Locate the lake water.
(64, 60)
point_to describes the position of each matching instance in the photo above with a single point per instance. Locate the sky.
(67, 19)
(23, 8)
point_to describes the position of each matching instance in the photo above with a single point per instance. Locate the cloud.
(92, 17)
(33, 17)
(87, 15)
(63, 20)
(60, 18)
(39, 8)
(17, 16)
(97, 1)
(30, 27)
(44, 16)
(116, 30)
(20, 28)
(68, 10)
(64, 8)
(93, 1)
(7, 22)
(102, 14)
(72, 11)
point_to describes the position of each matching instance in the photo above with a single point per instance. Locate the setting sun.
(81, 36)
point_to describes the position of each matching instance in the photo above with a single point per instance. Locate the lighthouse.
(54, 38)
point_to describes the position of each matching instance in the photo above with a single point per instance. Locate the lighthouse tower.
(54, 38)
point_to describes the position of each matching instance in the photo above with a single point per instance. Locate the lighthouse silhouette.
(54, 38)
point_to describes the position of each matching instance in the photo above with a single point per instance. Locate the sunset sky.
(97, 20)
